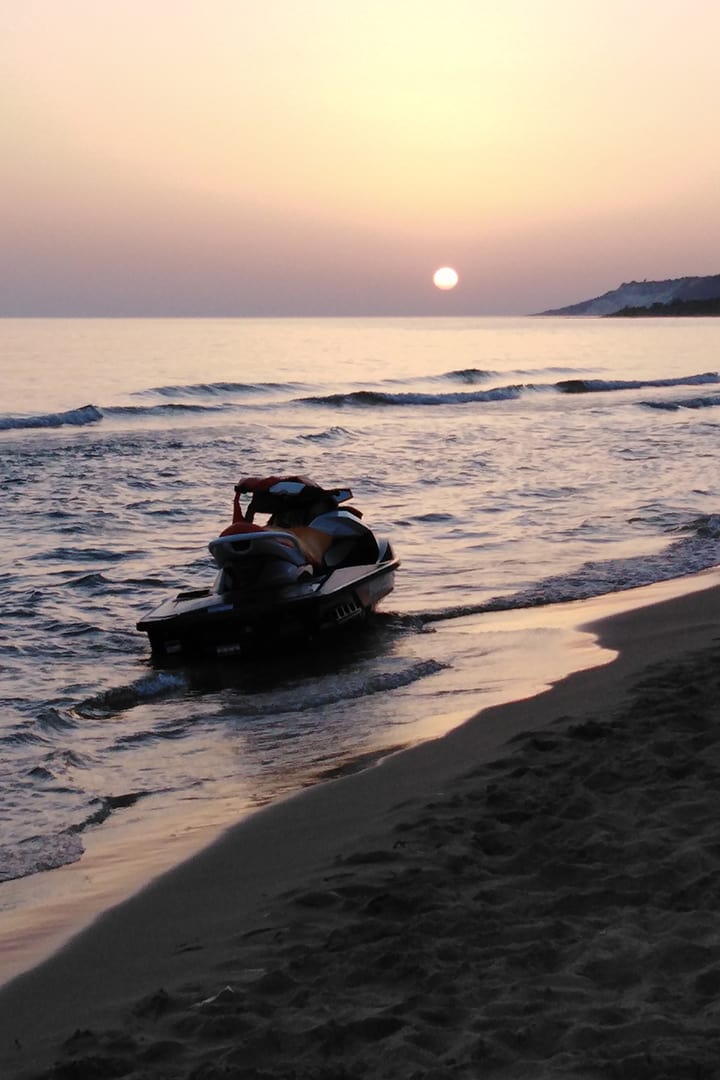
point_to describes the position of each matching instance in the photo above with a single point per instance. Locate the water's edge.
(41, 913)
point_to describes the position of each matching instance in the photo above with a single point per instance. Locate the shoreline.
(203, 925)
(494, 658)
(42, 912)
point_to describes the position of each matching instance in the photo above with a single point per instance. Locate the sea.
(519, 466)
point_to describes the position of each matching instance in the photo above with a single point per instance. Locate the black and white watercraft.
(314, 565)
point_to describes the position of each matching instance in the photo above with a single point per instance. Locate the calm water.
(513, 463)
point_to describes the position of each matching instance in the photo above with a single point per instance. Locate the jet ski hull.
(205, 622)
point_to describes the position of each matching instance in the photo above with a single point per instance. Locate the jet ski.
(313, 566)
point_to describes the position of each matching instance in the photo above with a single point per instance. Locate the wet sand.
(545, 909)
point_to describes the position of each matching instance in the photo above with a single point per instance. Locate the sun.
(445, 278)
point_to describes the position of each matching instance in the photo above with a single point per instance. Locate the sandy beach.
(535, 894)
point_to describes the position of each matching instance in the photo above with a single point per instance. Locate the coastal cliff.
(676, 296)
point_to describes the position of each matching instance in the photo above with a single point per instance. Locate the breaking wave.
(469, 375)
(698, 550)
(685, 403)
(38, 853)
(158, 686)
(372, 398)
(86, 414)
(359, 683)
(596, 386)
(92, 414)
(162, 410)
(331, 435)
(215, 388)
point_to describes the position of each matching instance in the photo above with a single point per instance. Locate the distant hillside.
(638, 297)
(674, 308)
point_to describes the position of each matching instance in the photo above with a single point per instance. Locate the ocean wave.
(375, 398)
(52, 719)
(153, 687)
(23, 737)
(105, 806)
(215, 388)
(698, 550)
(39, 853)
(372, 398)
(75, 554)
(596, 386)
(91, 414)
(86, 414)
(361, 682)
(705, 527)
(36, 854)
(469, 375)
(474, 375)
(684, 403)
(333, 434)
(166, 409)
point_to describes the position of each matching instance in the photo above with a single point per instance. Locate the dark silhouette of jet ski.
(313, 566)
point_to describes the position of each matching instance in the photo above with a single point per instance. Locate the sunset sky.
(324, 157)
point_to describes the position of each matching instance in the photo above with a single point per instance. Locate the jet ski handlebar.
(289, 487)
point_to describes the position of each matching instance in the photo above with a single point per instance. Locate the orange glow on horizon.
(533, 141)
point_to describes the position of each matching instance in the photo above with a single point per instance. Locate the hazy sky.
(233, 157)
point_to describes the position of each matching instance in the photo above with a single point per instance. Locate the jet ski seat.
(299, 545)
(268, 543)
(351, 542)
(313, 542)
